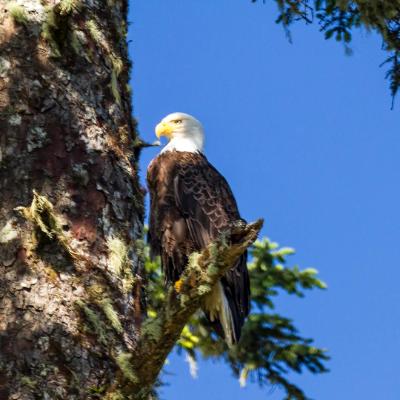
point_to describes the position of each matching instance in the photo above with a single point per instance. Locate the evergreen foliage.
(338, 18)
(270, 346)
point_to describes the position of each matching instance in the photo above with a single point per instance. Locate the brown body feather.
(191, 205)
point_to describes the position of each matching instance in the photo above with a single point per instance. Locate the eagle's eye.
(178, 121)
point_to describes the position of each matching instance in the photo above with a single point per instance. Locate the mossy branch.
(159, 334)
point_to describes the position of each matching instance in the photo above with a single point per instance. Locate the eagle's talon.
(178, 285)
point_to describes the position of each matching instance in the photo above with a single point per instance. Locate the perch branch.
(159, 335)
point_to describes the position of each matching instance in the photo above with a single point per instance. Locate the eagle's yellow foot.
(178, 285)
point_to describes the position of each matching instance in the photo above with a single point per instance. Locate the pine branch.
(159, 335)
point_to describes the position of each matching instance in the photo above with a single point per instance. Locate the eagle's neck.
(192, 143)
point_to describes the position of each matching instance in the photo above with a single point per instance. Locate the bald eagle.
(191, 205)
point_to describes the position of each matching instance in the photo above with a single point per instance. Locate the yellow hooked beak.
(164, 129)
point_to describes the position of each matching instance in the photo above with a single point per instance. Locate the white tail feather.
(217, 307)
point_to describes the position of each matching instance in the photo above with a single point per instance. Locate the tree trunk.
(71, 213)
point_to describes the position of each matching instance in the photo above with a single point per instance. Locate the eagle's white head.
(184, 132)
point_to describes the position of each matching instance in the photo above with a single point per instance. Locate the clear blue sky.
(307, 140)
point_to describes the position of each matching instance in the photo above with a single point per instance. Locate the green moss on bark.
(18, 14)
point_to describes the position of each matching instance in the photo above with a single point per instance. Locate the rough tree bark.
(69, 269)
(71, 212)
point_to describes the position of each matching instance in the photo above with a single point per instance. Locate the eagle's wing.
(205, 199)
(208, 206)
